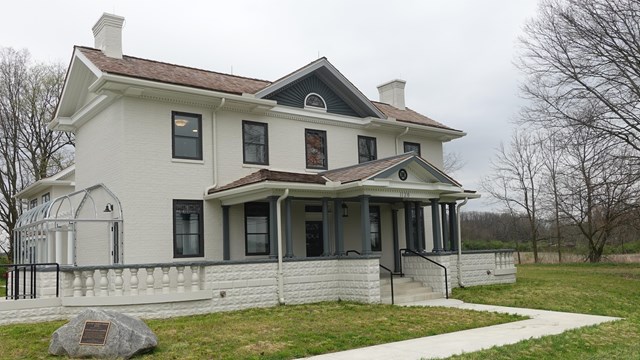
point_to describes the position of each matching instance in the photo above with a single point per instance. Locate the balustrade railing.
(137, 280)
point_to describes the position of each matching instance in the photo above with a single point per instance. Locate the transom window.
(316, 148)
(367, 149)
(256, 225)
(374, 221)
(188, 240)
(187, 135)
(315, 101)
(412, 147)
(255, 139)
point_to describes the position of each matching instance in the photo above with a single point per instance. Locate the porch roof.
(380, 177)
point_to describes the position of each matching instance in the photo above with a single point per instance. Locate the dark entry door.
(314, 238)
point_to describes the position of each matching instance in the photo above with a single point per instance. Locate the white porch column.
(51, 250)
(70, 245)
(58, 236)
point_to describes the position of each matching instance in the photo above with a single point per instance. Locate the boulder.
(123, 336)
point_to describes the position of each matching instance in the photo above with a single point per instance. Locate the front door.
(314, 238)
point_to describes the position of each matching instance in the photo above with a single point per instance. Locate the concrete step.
(406, 290)
(407, 299)
(396, 280)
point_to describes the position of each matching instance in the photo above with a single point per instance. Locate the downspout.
(459, 267)
(406, 130)
(214, 144)
(279, 221)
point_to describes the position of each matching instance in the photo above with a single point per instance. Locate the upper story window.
(187, 135)
(367, 149)
(45, 198)
(412, 147)
(374, 226)
(33, 203)
(316, 148)
(316, 101)
(255, 143)
(256, 226)
(188, 239)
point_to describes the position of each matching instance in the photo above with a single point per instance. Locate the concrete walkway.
(541, 323)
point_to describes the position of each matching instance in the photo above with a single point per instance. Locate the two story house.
(188, 167)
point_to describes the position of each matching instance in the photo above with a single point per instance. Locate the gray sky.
(455, 55)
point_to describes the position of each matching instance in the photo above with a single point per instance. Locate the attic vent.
(315, 101)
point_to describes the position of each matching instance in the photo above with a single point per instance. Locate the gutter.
(460, 282)
(279, 222)
(406, 130)
(214, 144)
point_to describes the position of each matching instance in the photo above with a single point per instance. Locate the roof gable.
(295, 93)
(322, 71)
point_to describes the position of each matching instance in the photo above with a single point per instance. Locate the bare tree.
(585, 54)
(28, 150)
(515, 182)
(453, 162)
(551, 147)
(598, 187)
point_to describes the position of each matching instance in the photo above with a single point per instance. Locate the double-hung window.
(45, 198)
(412, 147)
(188, 240)
(187, 135)
(33, 203)
(256, 226)
(367, 149)
(374, 227)
(316, 148)
(255, 142)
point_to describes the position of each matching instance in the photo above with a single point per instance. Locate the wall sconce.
(108, 208)
(345, 210)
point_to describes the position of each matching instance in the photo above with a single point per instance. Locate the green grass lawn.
(283, 332)
(599, 289)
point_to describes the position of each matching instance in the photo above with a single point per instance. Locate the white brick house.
(211, 171)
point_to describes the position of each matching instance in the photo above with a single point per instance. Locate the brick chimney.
(107, 33)
(392, 93)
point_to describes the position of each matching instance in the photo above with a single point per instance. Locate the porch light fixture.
(108, 208)
(345, 210)
(181, 122)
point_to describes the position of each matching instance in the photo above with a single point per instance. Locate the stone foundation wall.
(223, 287)
(478, 268)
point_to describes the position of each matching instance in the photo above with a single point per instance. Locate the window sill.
(255, 166)
(187, 161)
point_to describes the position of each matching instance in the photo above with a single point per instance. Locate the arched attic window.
(315, 102)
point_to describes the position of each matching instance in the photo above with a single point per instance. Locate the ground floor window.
(188, 240)
(256, 222)
(374, 220)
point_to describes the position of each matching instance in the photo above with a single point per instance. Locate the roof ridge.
(180, 66)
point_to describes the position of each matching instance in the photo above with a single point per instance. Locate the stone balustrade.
(134, 280)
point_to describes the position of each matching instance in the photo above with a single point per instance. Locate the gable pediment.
(294, 95)
(322, 78)
(415, 170)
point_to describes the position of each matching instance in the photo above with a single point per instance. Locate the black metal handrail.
(13, 280)
(391, 273)
(446, 281)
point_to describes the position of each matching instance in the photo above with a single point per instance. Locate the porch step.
(406, 290)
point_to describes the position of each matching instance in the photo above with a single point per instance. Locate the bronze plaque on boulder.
(95, 333)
